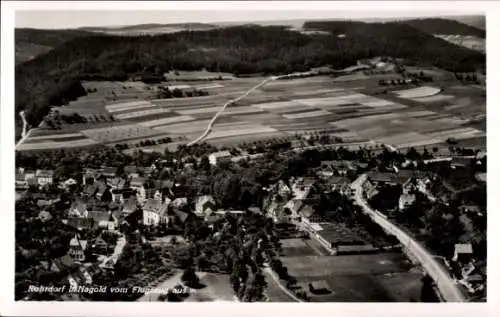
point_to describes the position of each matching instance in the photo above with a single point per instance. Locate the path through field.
(214, 118)
(25, 134)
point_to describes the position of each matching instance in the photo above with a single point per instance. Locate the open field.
(384, 277)
(415, 116)
(216, 288)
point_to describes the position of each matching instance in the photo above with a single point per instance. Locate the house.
(302, 187)
(179, 203)
(167, 215)
(283, 189)
(463, 252)
(100, 246)
(29, 175)
(44, 177)
(381, 178)
(340, 184)
(218, 157)
(90, 190)
(21, 182)
(80, 223)
(103, 219)
(137, 184)
(204, 205)
(77, 209)
(131, 170)
(355, 249)
(90, 174)
(319, 287)
(342, 167)
(406, 200)
(77, 248)
(116, 183)
(44, 216)
(109, 263)
(109, 172)
(292, 208)
(60, 264)
(68, 183)
(151, 212)
(181, 215)
(277, 212)
(102, 191)
(306, 213)
(130, 205)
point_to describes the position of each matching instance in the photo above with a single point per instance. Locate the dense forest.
(45, 80)
(445, 26)
(30, 43)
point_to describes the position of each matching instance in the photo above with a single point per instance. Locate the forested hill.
(30, 43)
(445, 26)
(47, 79)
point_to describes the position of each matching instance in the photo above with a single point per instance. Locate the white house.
(217, 157)
(406, 200)
(151, 212)
(44, 177)
(77, 248)
(204, 205)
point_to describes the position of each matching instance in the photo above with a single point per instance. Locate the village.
(313, 214)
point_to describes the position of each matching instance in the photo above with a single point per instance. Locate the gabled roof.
(130, 204)
(179, 202)
(109, 171)
(382, 177)
(80, 222)
(80, 207)
(294, 205)
(152, 205)
(181, 214)
(137, 181)
(76, 241)
(307, 211)
(338, 180)
(99, 216)
(221, 154)
(461, 248)
(44, 173)
(116, 182)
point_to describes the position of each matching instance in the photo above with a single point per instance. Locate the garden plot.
(143, 113)
(277, 105)
(199, 110)
(458, 134)
(118, 133)
(166, 121)
(322, 102)
(420, 92)
(362, 121)
(453, 121)
(222, 130)
(196, 126)
(46, 145)
(305, 115)
(419, 114)
(406, 138)
(435, 98)
(128, 105)
(56, 136)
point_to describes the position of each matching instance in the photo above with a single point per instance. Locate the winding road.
(447, 287)
(26, 133)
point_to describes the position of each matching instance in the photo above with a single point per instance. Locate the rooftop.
(464, 248)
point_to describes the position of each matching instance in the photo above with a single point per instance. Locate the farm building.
(463, 252)
(355, 249)
(77, 248)
(218, 157)
(319, 287)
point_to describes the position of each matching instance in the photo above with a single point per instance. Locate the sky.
(60, 19)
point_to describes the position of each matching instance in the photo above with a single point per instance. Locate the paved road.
(449, 290)
(268, 272)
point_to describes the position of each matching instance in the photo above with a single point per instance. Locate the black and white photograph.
(246, 155)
